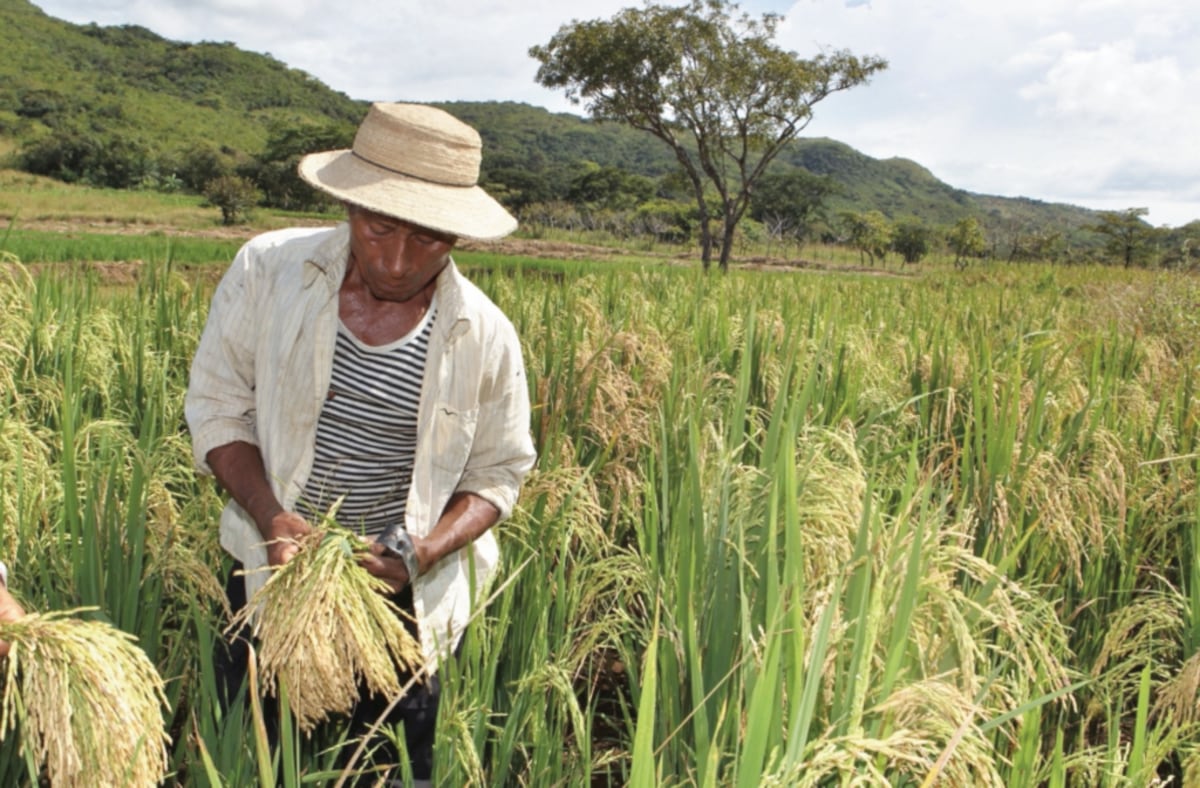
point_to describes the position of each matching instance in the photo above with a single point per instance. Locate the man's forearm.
(238, 467)
(466, 518)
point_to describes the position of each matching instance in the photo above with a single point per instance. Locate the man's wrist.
(264, 518)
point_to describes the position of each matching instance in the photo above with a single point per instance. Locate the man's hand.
(282, 534)
(466, 517)
(390, 570)
(10, 610)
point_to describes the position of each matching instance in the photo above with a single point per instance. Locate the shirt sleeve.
(220, 402)
(503, 452)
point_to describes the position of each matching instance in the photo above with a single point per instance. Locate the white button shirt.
(261, 374)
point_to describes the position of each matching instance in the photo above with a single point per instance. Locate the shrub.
(234, 195)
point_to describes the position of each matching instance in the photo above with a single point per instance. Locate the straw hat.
(416, 163)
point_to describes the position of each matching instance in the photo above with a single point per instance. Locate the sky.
(1088, 102)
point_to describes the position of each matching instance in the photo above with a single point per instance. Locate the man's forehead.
(369, 215)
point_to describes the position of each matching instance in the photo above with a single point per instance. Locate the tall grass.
(785, 529)
(887, 525)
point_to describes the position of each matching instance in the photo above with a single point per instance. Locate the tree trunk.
(706, 244)
(726, 245)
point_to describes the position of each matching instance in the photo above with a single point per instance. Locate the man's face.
(396, 260)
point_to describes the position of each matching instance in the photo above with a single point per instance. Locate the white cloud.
(1107, 83)
(1084, 101)
(1043, 52)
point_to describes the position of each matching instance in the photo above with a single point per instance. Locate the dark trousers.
(417, 710)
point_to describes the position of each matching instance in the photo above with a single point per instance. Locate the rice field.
(785, 528)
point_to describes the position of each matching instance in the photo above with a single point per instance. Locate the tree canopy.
(966, 240)
(911, 239)
(869, 232)
(709, 82)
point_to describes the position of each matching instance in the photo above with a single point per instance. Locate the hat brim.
(463, 211)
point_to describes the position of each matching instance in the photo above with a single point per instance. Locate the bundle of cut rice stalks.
(88, 700)
(324, 624)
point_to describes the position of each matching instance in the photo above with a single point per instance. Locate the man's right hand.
(282, 534)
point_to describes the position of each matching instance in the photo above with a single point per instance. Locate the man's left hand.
(390, 570)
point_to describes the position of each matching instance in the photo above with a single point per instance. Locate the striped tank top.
(367, 431)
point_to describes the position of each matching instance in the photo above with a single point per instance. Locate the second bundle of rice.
(324, 625)
(88, 699)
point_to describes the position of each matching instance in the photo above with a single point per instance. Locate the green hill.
(895, 187)
(122, 106)
(901, 188)
(153, 99)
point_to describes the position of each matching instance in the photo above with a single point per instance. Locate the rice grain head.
(324, 624)
(88, 700)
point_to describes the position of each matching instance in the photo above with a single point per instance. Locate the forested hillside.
(118, 105)
(124, 107)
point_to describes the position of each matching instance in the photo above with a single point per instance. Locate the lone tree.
(1127, 236)
(966, 240)
(708, 81)
(870, 233)
(910, 239)
(234, 195)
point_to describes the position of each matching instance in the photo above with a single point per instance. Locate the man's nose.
(395, 257)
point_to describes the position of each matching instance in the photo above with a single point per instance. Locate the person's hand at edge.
(10, 610)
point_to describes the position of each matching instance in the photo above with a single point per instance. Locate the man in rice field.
(357, 365)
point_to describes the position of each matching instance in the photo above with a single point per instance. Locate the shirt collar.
(328, 260)
(328, 263)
